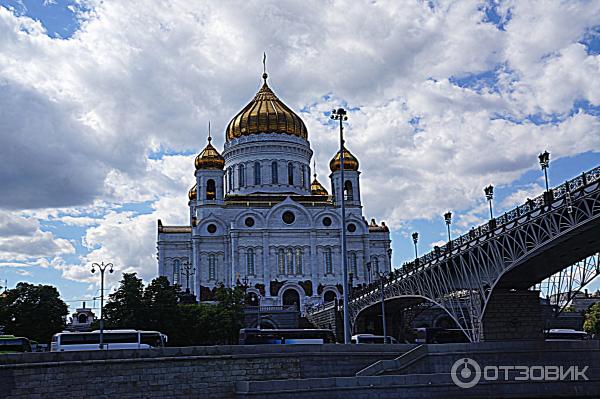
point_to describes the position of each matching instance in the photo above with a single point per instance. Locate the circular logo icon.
(465, 373)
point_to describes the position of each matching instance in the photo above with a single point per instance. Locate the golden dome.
(316, 188)
(265, 114)
(350, 161)
(192, 193)
(209, 158)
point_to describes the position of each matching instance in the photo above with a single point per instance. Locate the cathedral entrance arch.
(291, 297)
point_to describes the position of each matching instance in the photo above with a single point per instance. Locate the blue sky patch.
(59, 17)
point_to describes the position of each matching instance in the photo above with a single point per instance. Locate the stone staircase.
(424, 372)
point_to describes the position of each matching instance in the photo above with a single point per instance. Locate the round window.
(326, 221)
(351, 227)
(288, 217)
(212, 228)
(249, 222)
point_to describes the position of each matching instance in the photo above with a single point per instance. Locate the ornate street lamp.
(382, 279)
(415, 238)
(188, 270)
(544, 158)
(448, 220)
(102, 267)
(340, 115)
(369, 272)
(489, 195)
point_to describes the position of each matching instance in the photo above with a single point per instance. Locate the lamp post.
(415, 238)
(102, 267)
(188, 270)
(381, 288)
(544, 158)
(369, 272)
(489, 195)
(448, 220)
(340, 115)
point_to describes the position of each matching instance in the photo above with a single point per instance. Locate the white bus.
(112, 340)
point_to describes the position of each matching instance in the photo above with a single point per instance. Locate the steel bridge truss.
(560, 288)
(461, 276)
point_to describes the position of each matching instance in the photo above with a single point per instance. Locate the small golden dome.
(316, 188)
(265, 114)
(350, 161)
(209, 158)
(192, 193)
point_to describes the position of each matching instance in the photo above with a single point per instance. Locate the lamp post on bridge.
(489, 195)
(340, 115)
(448, 220)
(102, 267)
(544, 158)
(382, 277)
(415, 238)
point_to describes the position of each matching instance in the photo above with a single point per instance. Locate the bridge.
(488, 280)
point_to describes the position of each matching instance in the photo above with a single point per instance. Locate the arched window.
(280, 261)
(230, 175)
(290, 261)
(82, 319)
(250, 262)
(257, 180)
(354, 264)
(274, 173)
(298, 261)
(303, 176)
(375, 265)
(211, 191)
(291, 174)
(242, 175)
(176, 271)
(348, 195)
(328, 262)
(212, 267)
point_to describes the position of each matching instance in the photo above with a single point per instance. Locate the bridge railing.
(483, 231)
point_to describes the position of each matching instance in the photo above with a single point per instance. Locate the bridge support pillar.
(513, 315)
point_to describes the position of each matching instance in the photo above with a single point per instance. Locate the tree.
(32, 311)
(592, 320)
(160, 303)
(125, 308)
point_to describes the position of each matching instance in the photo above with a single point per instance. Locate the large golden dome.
(350, 161)
(209, 158)
(265, 114)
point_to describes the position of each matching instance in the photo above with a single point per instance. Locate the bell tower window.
(348, 195)
(211, 191)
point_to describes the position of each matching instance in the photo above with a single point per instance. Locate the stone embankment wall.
(206, 372)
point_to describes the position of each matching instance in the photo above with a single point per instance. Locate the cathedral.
(257, 220)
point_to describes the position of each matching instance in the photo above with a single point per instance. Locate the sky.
(104, 105)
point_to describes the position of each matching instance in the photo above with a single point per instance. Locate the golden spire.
(266, 113)
(350, 161)
(209, 158)
(315, 187)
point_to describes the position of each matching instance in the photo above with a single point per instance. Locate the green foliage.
(592, 319)
(32, 311)
(125, 307)
(157, 307)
